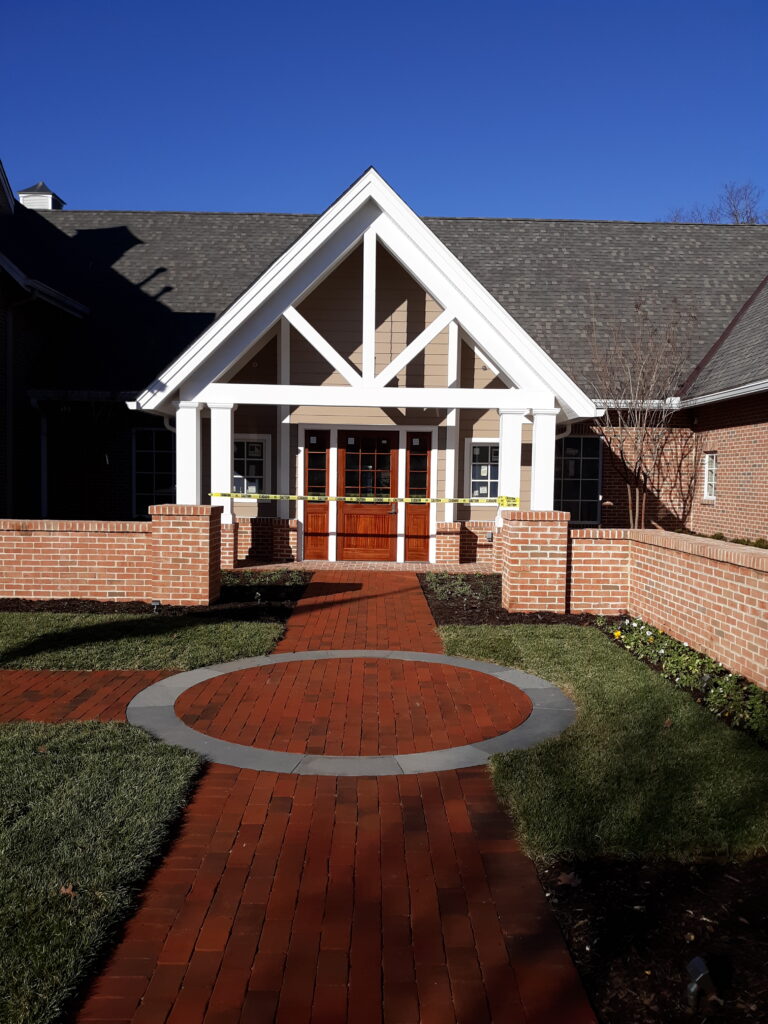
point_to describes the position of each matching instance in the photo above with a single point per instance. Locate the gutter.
(722, 396)
(43, 291)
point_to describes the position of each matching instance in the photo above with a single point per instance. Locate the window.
(710, 475)
(484, 470)
(577, 478)
(251, 464)
(154, 468)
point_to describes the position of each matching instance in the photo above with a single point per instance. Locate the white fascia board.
(512, 333)
(410, 240)
(348, 219)
(375, 397)
(510, 347)
(722, 396)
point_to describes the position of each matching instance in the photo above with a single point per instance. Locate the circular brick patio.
(354, 706)
(352, 712)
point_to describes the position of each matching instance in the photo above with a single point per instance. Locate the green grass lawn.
(84, 810)
(62, 640)
(643, 773)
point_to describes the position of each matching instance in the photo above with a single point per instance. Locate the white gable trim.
(368, 203)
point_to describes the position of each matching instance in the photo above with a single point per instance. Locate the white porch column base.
(510, 451)
(543, 460)
(188, 467)
(222, 454)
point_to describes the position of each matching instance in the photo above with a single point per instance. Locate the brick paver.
(353, 706)
(322, 900)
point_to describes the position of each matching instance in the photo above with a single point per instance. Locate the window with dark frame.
(577, 478)
(248, 466)
(154, 468)
(484, 472)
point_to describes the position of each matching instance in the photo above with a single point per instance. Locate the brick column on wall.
(534, 560)
(448, 546)
(186, 553)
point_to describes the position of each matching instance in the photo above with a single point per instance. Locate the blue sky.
(559, 108)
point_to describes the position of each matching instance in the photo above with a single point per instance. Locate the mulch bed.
(241, 591)
(482, 607)
(631, 927)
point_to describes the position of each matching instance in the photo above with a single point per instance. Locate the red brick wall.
(599, 571)
(448, 542)
(534, 560)
(738, 432)
(474, 545)
(174, 558)
(709, 593)
(249, 541)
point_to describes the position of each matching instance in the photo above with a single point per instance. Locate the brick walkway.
(354, 707)
(302, 899)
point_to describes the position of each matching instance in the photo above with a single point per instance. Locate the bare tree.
(639, 364)
(736, 204)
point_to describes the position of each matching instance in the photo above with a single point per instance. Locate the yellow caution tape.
(502, 502)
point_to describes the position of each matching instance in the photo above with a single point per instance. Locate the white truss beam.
(410, 351)
(318, 342)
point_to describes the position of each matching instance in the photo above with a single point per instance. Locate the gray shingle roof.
(741, 357)
(157, 279)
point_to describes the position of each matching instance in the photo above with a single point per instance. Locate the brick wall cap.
(74, 526)
(717, 550)
(517, 516)
(214, 511)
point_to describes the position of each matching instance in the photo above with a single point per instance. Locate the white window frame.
(710, 476)
(468, 442)
(266, 440)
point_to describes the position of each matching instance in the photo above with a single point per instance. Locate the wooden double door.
(368, 464)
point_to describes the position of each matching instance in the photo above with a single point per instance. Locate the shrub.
(727, 695)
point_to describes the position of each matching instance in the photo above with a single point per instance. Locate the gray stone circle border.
(153, 710)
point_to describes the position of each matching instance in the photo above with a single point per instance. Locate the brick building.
(152, 357)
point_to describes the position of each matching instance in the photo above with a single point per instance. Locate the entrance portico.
(366, 362)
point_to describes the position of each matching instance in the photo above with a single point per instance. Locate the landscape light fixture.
(155, 607)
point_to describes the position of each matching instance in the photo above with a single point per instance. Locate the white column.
(510, 446)
(452, 423)
(222, 454)
(284, 420)
(369, 305)
(543, 459)
(188, 453)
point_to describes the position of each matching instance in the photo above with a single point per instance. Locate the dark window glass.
(577, 478)
(153, 468)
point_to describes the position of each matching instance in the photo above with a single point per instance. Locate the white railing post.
(188, 453)
(222, 454)
(543, 460)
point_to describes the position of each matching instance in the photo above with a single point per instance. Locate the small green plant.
(727, 695)
(449, 586)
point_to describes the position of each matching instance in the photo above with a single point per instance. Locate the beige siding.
(403, 310)
(256, 368)
(335, 309)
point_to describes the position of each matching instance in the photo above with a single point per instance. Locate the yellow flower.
(617, 633)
